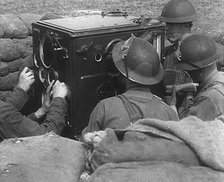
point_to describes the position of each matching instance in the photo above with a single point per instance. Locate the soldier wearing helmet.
(199, 53)
(178, 16)
(140, 70)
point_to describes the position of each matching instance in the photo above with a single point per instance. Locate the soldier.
(140, 70)
(178, 16)
(14, 124)
(198, 57)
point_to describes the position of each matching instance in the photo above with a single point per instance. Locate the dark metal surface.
(83, 57)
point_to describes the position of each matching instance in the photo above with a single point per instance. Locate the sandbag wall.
(16, 47)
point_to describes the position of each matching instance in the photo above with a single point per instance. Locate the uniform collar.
(212, 79)
(140, 92)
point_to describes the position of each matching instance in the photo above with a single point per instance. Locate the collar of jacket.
(139, 92)
(213, 78)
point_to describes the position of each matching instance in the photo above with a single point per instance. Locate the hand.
(60, 89)
(46, 102)
(26, 79)
(173, 100)
(95, 137)
(47, 97)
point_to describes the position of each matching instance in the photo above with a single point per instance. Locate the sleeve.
(14, 124)
(96, 119)
(17, 98)
(203, 108)
(33, 117)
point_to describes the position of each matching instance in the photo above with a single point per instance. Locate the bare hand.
(95, 137)
(26, 79)
(47, 97)
(60, 89)
(45, 102)
(173, 100)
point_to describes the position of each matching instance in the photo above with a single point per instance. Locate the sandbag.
(1, 32)
(27, 62)
(154, 171)
(25, 46)
(8, 50)
(12, 49)
(28, 19)
(4, 69)
(15, 65)
(138, 146)
(9, 81)
(45, 158)
(13, 27)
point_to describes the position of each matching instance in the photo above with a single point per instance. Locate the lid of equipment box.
(94, 22)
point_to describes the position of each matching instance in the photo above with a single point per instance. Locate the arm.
(19, 95)
(96, 119)
(14, 124)
(204, 109)
(17, 98)
(174, 101)
(36, 116)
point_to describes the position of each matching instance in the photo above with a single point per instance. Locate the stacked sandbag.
(28, 19)
(45, 158)
(124, 147)
(16, 47)
(13, 27)
(154, 171)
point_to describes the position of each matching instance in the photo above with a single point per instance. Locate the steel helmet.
(138, 60)
(198, 51)
(178, 11)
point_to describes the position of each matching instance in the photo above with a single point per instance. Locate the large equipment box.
(77, 51)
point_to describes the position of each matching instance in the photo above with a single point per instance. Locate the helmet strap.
(125, 49)
(125, 66)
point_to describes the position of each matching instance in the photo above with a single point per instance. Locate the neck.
(133, 85)
(204, 76)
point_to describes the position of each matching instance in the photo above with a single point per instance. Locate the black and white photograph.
(111, 91)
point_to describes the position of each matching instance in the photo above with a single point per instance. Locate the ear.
(186, 27)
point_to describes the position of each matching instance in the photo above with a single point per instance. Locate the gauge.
(46, 51)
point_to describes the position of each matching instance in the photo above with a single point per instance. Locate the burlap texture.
(206, 138)
(4, 69)
(28, 19)
(45, 158)
(13, 26)
(154, 171)
(140, 146)
(12, 49)
(9, 81)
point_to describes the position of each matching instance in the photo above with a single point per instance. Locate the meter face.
(78, 52)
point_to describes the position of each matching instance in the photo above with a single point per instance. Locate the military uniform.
(14, 124)
(171, 61)
(111, 112)
(173, 75)
(170, 58)
(209, 102)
